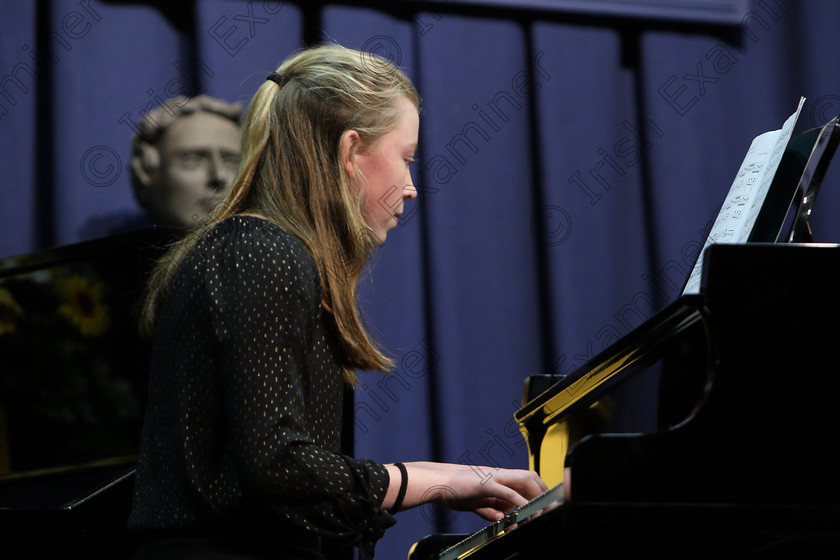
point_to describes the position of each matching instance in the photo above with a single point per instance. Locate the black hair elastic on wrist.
(403, 486)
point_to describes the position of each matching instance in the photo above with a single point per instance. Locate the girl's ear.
(347, 148)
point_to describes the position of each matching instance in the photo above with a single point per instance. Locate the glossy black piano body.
(73, 512)
(71, 396)
(744, 464)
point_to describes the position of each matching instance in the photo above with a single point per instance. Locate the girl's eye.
(411, 160)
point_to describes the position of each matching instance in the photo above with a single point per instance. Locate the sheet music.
(747, 193)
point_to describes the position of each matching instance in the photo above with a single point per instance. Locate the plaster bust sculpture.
(184, 157)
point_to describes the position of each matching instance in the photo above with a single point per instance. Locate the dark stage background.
(570, 165)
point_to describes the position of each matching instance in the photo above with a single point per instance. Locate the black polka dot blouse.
(243, 423)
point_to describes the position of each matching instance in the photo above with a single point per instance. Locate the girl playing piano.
(257, 329)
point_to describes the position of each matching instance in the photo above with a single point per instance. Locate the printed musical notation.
(741, 207)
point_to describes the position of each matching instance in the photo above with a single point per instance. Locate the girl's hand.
(486, 491)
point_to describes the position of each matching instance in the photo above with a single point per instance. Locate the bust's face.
(199, 155)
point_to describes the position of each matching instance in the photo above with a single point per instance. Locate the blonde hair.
(291, 173)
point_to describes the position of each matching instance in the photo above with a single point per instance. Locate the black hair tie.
(278, 79)
(403, 486)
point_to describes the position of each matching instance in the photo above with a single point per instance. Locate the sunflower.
(9, 311)
(83, 307)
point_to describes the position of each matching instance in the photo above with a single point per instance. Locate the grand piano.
(72, 385)
(743, 461)
(750, 471)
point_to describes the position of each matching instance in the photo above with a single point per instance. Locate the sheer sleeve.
(282, 388)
